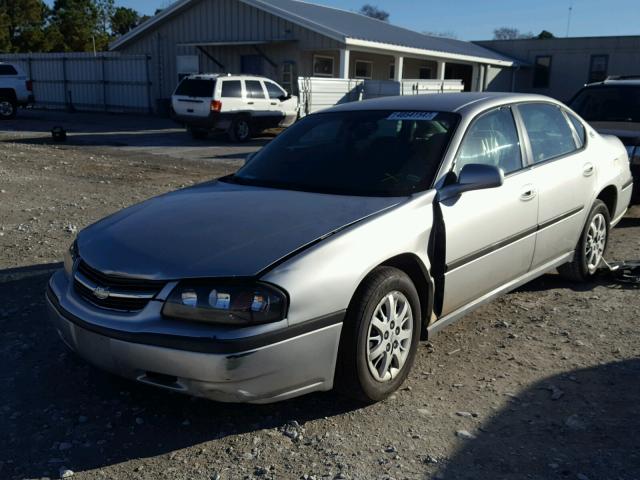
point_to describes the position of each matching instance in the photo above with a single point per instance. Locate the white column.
(344, 63)
(440, 70)
(398, 68)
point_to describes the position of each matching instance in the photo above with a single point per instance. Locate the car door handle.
(274, 103)
(588, 169)
(528, 193)
(249, 103)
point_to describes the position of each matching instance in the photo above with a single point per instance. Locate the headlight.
(226, 303)
(70, 257)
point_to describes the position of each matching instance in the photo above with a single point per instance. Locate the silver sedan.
(337, 247)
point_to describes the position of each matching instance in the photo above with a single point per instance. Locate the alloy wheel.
(6, 108)
(596, 242)
(389, 336)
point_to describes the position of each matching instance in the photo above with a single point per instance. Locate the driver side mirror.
(284, 97)
(474, 176)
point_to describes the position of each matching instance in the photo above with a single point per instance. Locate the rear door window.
(254, 89)
(608, 103)
(196, 87)
(231, 89)
(548, 130)
(8, 70)
(579, 128)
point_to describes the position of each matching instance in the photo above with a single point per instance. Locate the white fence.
(317, 93)
(107, 82)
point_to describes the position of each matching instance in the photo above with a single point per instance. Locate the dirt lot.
(541, 384)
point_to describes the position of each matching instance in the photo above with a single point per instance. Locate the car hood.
(628, 132)
(217, 229)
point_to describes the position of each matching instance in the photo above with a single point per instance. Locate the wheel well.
(8, 92)
(415, 269)
(610, 198)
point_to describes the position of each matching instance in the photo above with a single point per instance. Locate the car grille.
(118, 293)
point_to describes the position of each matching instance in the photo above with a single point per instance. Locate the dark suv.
(613, 107)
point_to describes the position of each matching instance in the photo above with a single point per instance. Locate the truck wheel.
(8, 108)
(379, 337)
(240, 130)
(591, 247)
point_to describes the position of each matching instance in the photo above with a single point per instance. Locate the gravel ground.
(541, 384)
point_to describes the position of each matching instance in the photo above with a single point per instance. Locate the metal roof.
(353, 29)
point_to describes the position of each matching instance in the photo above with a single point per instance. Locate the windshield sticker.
(412, 116)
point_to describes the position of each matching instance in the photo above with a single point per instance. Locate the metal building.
(559, 67)
(284, 39)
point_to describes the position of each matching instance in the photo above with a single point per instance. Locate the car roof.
(227, 76)
(463, 102)
(616, 81)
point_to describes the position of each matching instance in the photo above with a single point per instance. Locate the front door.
(490, 234)
(565, 177)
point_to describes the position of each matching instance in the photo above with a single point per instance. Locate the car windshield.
(608, 104)
(196, 87)
(367, 153)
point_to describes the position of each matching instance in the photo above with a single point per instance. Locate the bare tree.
(445, 34)
(510, 33)
(374, 12)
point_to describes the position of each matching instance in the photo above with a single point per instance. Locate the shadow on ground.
(56, 410)
(581, 425)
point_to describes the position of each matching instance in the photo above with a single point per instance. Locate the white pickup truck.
(15, 90)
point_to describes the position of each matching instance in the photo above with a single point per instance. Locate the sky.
(476, 19)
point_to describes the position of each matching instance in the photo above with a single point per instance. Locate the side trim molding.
(509, 240)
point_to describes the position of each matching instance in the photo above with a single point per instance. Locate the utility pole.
(569, 17)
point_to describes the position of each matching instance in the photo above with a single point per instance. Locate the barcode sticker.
(412, 116)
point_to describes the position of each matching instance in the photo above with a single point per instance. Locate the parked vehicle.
(340, 244)
(241, 105)
(613, 107)
(15, 90)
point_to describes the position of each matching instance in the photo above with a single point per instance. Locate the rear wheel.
(240, 130)
(8, 107)
(380, 336)
(591, 247)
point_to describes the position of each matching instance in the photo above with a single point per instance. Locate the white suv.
(241, 105)
(15, 90)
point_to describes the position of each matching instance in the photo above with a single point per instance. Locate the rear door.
(193, 97)
(490, 234)
(259, 104)
(564, 175)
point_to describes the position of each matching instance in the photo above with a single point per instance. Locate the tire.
(240, 130)
(591, 247)
(199, 133)
(360, 371)
(8, 108)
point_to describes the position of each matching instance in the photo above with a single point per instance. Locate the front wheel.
(8, 108)
(591, 247)
(380, 336)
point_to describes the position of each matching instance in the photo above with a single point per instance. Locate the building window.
(364, 69)
(322, 66)
(598, 68)
(392, 71)
(541, 72)
(424, 73)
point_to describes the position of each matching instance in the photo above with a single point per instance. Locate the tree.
(509, 33)
(545, 34)
(123, 20)
(445, 34)
(22, 25)
(75, 26)
(374, 12)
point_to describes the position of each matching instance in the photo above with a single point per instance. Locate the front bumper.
(277, 365)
